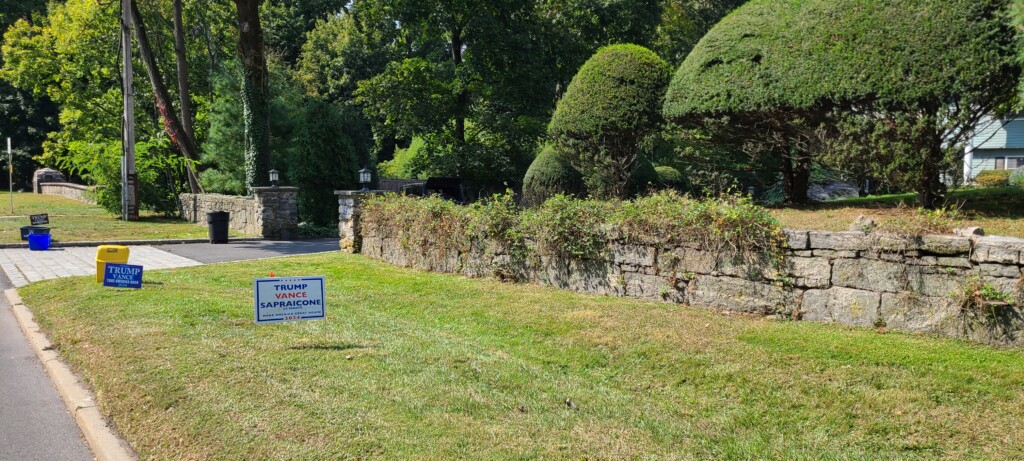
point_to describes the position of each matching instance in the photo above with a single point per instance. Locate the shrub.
(1017, 177)
(920, 221)
(158, 169)
(729, 224)
(570, 226)
(419, 223)
(671, 177)
(894, 80)
(644, 178)
(324, 156)
(609, 114)
(993, 178)
(550, 174)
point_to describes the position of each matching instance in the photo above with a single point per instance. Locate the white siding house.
(998, 144)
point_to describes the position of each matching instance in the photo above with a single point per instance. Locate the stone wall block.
(739, 295)
(935, 281)
(998, 270)
(945, 245)
(850, 240)
(809, 272)
(841, 305)
(797, 239)
(907, 311)
(869, 274)
(639, 255)
(960, 262)
(645, 286)
(832, 254)
(1002, 250)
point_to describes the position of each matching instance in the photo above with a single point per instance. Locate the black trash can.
(25, 230)
(218, 222)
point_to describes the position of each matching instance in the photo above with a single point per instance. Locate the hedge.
(550, 174)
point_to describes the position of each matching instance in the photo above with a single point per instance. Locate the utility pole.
(129, 178)
(10, 173)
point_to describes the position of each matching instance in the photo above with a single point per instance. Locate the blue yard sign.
(122, 276)
(286, 299)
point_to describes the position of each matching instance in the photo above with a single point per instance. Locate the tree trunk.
(796, 178)
(255, 94)
(184, 93)
(172, 125)
(462, 100)
(931, 192)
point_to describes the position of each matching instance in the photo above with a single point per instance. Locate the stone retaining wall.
(66, 189)
(853, 278)
(271, 212)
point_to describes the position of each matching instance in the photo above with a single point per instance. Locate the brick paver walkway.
(24, 266)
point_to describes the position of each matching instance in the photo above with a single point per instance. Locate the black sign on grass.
(39, 219)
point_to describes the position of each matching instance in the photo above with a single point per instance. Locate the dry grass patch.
(1000, 211)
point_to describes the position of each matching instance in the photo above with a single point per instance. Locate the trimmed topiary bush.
(550, 174)
(609, 113)
(896, 83)
(993, 178)
(644, 178)
(671, 177)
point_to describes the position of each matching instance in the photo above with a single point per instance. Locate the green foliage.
(403, 165)
(993, 178)
(671, 177)
(1017, 177)
(159, 173)
(644, 178)
(223, 153)
(942, 220)
(731, 226)
(286, 22)
(325, 154)
(551, 174)
(570, 226)
(337, 55)
(891, 86)
(420, 223)
(608, 114)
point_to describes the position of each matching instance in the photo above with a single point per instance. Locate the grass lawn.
(1000, 210)
(73, 221)
(412, 365)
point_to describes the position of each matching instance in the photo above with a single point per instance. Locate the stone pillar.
(350, 204)
(277, 212)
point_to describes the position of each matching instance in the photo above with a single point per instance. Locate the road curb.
(5, 246)
(103, 440)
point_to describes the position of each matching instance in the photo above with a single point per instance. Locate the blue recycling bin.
(38, 242)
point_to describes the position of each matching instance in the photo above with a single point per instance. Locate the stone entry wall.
(852, 278)
(66, 189)
(271, 212)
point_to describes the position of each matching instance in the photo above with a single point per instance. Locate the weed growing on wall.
(581, 228)
(923, 221)
(730, 225)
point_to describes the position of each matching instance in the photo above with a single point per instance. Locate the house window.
(1009, 163)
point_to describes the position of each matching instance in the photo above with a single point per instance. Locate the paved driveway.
(24, 266)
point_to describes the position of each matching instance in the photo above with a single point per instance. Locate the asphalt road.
(34, 425)
(238, 251)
